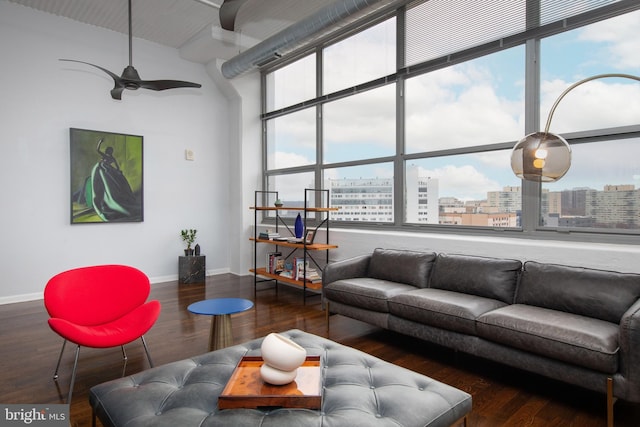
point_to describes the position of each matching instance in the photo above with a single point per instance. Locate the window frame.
(531, 227)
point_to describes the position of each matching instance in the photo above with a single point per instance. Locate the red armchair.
(100, 306)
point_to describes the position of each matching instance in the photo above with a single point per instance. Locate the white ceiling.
(192, 26)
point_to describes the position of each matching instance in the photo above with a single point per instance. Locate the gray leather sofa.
(577, 325)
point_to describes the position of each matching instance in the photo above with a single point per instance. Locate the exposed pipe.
(293, 36)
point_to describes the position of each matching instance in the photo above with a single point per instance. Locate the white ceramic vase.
(282, 357)
(276, 376)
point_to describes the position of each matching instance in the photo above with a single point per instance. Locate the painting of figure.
(106, 177)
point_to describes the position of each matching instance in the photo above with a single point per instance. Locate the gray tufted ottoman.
(358, 390)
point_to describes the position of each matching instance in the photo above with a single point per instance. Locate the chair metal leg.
(73, 375)
(75, 364)
(146, 350)
(125, 360)
(55, 374)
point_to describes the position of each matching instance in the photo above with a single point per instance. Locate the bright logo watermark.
(34, 415)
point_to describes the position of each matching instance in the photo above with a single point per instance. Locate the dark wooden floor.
(501, 396)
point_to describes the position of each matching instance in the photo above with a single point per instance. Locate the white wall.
(41, 98)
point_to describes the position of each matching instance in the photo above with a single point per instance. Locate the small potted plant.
(188, 236)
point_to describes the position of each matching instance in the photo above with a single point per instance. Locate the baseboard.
(21, 298)
(174, 277)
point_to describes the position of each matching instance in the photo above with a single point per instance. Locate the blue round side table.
(221, 309)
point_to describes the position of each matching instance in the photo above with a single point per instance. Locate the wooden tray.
(246, 389)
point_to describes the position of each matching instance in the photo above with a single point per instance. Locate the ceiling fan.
(130, 79)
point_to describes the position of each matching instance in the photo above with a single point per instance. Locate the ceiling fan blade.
(116, 92)
(113, 76)
(166, 84)
(118, 84)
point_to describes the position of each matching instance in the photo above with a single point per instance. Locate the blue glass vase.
(299, 227)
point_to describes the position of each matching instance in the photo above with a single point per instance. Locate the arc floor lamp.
(545, 156)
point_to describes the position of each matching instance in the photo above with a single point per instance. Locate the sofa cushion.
(453, 311)
(571, 338)
(491, 278)
(403, 266)
(600, 294)
(365, 292)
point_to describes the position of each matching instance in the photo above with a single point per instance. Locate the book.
(300, 266)
(287, 273)
(268, 235)
(313, 275)
(271, 261)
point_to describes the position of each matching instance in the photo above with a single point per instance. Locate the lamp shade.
(541, 157)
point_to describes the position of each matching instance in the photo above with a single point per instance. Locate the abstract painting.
(106, 177)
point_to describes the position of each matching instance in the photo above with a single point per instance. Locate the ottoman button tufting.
(346, 386)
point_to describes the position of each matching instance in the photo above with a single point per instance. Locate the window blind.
(437, 28)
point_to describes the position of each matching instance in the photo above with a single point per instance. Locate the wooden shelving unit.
(311, 247)
(260, 273)
(309, 285)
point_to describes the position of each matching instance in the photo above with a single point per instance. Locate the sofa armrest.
(346, 269)
(629, 341)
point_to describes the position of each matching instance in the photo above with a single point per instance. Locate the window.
(290, 188)
(472, 105)
(414, 126)
(600, 190)
(291, 140)
(362, 126)
(478, 102)
(476, 189)
(360, 58)
(362, 193)
(608, 46)
(292, 84)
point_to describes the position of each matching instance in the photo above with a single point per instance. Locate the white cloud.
(285, 159)
(459, 107)
(620, 36)
(297, 129)
(596, 104)
(367, 118)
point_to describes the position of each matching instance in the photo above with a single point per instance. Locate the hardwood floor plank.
(502, 396)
